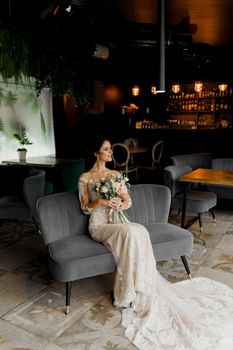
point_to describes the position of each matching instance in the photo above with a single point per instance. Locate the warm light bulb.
(176, 88)
(153, 90)
(135, 90)
(198, 86)
(222, 87)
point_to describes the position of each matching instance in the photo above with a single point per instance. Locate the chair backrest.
(60, 216)
(131, 142)
(120, 156)
(33, 189)
(157, 151)
(195, 160)
(151, 203)
(222, 164)
(171, 175)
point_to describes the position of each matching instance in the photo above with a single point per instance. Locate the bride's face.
(105, 152)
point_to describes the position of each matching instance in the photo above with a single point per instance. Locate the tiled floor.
(32, 304)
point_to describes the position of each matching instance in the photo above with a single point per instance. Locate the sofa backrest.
(60, 214)
(150, 203)
(222, 164)
(194, 160)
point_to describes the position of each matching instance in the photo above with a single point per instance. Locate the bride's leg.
(132, 250)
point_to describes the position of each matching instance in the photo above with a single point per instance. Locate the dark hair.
(93, 148)
(98, 143)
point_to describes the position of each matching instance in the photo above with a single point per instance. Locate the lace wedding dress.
(194, 314)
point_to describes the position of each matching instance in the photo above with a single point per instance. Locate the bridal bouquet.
(112, 187)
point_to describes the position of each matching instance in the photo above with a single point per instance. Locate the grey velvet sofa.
(204, 160)
(73, 254)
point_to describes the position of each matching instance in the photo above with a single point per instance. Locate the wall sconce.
(198, 86)
(222, 87)
(153, 90)
(135, 90)
(176, 88)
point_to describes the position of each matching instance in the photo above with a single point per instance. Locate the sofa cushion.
(168, 241)
(79, 257)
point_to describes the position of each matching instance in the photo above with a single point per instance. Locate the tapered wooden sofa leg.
(213, 214)
(68, 294)
(184, 260)
(200, 221)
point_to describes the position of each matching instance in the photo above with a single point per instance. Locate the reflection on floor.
(32, 304)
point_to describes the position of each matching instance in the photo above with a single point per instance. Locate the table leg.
(184, 205)
(131, 159)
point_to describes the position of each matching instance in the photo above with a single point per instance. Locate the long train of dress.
(195, 314)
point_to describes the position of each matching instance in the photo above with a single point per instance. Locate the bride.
(195, 314)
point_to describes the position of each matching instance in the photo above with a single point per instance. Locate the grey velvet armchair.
(73, 254)
(197, 201)
(22, 203)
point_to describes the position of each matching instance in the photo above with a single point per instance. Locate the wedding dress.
(195, 314)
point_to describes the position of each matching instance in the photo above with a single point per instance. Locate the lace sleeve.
(128, 202)
(84, 195)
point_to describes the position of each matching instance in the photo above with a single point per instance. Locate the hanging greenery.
(57, 55)
(14, 52)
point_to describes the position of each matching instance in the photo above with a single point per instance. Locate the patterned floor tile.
(230, 230)
(44, 314)
(226, 242)
(17, 255)
(14, 290)
(35, 269)
(13, 230)
(98, 329)
(15, 338)
(220, 259)
(217, 275)
(32, 303)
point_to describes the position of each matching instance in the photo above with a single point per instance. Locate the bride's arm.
(126, 201)
(86, 205)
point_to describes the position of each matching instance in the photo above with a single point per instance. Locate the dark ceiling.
(198, 35)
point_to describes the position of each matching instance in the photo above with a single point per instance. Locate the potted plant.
(23, 141)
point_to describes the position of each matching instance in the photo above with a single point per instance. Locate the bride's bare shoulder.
(85, 176)
(94, 175)
(115, 172)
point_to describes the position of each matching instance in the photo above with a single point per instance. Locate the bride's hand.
(117, 203)
(114, 203)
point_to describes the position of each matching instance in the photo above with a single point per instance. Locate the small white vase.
(22, 155)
